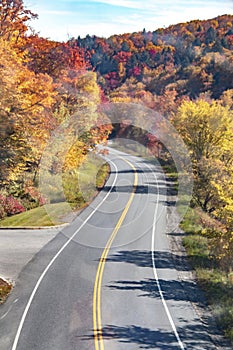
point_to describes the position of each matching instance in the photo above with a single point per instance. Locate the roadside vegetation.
(52, 91)
(80, 189)
(208, 256)
(5, 289)
(37, 217)
(48, 99)
(213, 277)
(206, 127)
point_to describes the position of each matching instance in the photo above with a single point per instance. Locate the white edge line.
(181, 345)
(19, 330)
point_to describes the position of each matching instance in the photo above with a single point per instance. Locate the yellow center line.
(97, 323)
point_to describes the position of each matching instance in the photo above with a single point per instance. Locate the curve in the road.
(19, 330)
(97, 322)
(181, 345)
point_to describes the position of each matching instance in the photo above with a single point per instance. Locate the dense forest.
(188, 58)
(184, 72)
(43, 84)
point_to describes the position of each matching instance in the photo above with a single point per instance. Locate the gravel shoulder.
(198, 300)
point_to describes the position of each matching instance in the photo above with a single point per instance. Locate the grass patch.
(82, 186)
(216, 283)
(102, 176)
(79, 189)
(198, 251)
(191, 222)
(5, 289)
(218, 288)
(37, 216)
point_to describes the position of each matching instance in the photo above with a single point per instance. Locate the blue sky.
(61, 19)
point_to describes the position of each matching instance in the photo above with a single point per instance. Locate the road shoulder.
(18, 247)
(199, 303)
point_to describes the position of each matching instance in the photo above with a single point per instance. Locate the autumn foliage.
(44, 84)
(184, 72)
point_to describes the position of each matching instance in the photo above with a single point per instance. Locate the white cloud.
(57, 19)
(132, 4)
(63, 33)
(58, 13)
(155, 5)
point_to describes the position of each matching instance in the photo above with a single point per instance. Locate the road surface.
(108, 281)
(18, 247)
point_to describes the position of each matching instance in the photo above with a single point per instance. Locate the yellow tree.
(77, 111)
(26, 117)
(206, 128)
(81, 127)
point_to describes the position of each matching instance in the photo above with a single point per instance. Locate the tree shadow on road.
(172, 290)
(195, 337)
(144, 337)
(197, 334)
(143, 258)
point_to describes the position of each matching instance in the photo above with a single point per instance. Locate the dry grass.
(5, 289)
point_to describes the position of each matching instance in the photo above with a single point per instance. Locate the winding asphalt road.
(108, 281)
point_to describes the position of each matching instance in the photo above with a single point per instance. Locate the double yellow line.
(97, 323)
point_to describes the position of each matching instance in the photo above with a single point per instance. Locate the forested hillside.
(190, 58)
(43, 84)
(184, 72)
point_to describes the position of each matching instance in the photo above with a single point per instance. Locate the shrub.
(32, 198)
(2, 206)
(5, 289)
(2, 210)
(9, 205)
(13, 206)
